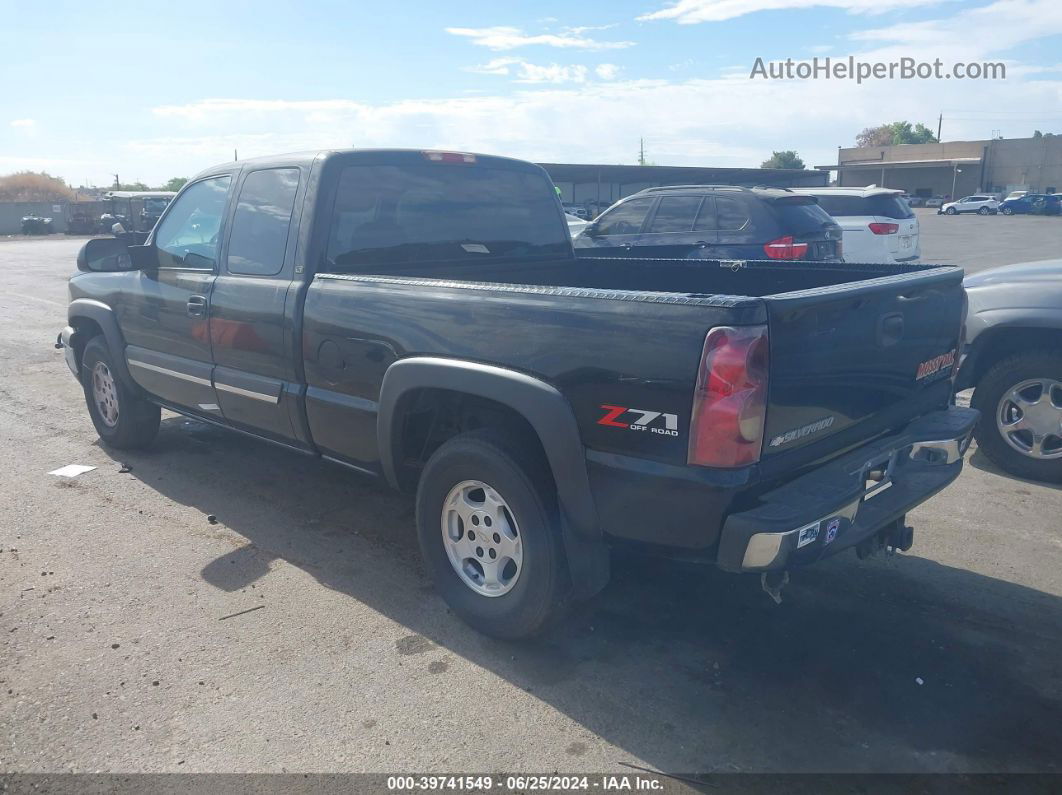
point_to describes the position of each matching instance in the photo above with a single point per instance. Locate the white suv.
(878, 224)
(981, 203)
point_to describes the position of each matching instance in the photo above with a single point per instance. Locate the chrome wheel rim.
(481, 538)
(105, 394)
(1029, 418)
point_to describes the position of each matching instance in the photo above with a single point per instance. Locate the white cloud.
(690, 122)
(524, 72)
(690, 12)
(996, 27)
(24, 124)
(507, 38)
(495, 66)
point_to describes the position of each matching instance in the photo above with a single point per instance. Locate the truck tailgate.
(850, 361)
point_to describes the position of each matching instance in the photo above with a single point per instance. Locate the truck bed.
(755, 279)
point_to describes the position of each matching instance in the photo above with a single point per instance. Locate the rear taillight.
(884, 229)
(730, 398)
(785, 248)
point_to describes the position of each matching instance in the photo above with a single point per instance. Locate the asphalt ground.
(299, 631)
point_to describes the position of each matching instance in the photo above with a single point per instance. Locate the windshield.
(801, 216)
(882, 205)
(418, 212)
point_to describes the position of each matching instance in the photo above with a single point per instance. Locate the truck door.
(252, 309)
(164, 315)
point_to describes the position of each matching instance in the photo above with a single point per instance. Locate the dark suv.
(714, 222)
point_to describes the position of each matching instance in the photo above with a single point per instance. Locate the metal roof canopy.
(879, 164)
(139, 194)
(682, 175)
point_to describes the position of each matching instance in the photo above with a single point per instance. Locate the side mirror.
(591, 230)
(105, 254)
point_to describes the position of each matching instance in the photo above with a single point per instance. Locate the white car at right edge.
(878, 224)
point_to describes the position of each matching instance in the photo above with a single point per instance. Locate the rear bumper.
(65, 341)
(831, 508)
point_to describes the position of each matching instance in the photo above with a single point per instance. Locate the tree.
(33, 186)
(174, 183)
(784, 159)
(896, 133)
(132, 186)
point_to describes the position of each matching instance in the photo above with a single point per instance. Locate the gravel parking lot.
(126, 645)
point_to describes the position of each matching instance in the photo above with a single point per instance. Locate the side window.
(675, 214)
(189, 234)
(624, 220)
(260, 224)
(733, 214)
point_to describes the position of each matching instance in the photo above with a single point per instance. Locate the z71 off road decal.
(639, 420)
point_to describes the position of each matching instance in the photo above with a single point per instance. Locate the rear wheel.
(488, 532)
(983, 211)
(1020, 400)
(122, 419)
(951, 211)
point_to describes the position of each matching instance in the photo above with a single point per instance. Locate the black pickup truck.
(420, 317)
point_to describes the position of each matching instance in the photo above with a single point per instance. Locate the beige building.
(955, 168)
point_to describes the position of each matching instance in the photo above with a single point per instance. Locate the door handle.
(701, 244)
(197, 305)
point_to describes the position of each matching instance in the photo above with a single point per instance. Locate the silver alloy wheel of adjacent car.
(481, 538)
(105, 394)
(1029, 418)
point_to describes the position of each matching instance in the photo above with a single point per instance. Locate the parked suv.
(878, 223)
(1031, 204)
(982, 204)
(714, 222)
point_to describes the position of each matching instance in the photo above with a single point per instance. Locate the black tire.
(951, 211)
(994, 384)
(137, 420)
(1007, 211)
(983, 211)
(538, 594)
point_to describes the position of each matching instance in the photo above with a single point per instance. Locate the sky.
(155, 90)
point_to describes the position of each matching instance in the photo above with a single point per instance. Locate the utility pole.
(641, 151)
(117, 184)
(940, 121)
(235, 155)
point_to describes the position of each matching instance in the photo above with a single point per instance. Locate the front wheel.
(1007, 211)
(951, 211)
(123, 419)
(489, 535)
(1020, 400)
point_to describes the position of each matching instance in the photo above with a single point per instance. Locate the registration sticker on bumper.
(808, 534)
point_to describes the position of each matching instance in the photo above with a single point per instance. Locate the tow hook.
(772, 583)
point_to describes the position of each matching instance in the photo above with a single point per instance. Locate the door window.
(733, 214)
(260, 224)
(624, 220)
(189, 234)
(675, 214)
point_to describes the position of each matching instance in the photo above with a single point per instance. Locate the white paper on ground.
(71, 470)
